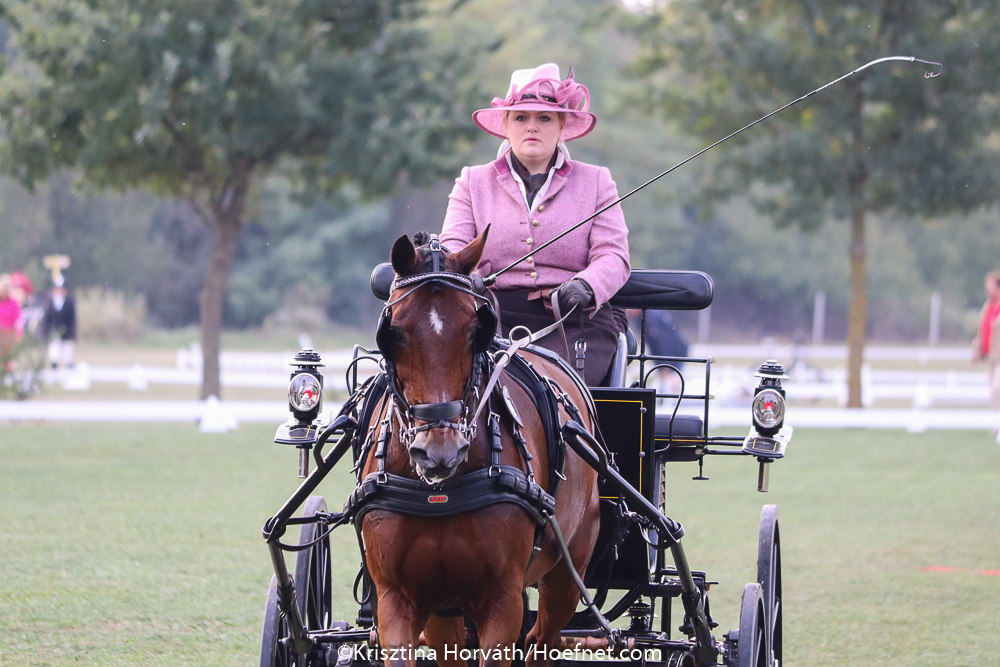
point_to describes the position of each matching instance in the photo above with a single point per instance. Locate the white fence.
(960, 391)
(732, 383)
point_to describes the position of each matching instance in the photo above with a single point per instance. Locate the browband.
(436, 275)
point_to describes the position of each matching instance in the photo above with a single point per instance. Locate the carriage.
(659, 611)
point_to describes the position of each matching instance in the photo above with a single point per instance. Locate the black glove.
(574, 293)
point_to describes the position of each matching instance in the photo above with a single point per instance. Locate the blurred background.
(135, 134)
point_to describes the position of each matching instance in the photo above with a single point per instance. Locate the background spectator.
(663, 339)
(59, 325)
(10, 319)
(986, 345)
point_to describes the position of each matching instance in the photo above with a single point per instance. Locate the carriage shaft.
(669, 533)
(274, 528)
(288, 605)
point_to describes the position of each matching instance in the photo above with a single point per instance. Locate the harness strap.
(437, 411)
(383, 438)
(496, 446)
(458, 495)
(581, 344)
(505, 355)
(562, 330)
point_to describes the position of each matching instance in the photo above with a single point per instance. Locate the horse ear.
(403, 255)
(469, 256)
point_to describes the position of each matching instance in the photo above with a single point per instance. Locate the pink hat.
(541, 89)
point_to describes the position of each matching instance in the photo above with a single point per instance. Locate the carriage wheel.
(313, 586)
(769, 577)
(752, 650)
(272, 652)
(313, 590)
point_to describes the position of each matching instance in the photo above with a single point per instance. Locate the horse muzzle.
(438, 456)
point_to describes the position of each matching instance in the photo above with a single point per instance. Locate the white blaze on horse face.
(436, 322)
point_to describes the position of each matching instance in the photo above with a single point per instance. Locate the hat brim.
(578, 123)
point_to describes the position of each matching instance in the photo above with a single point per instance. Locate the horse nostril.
(419, 455)
(462, 454)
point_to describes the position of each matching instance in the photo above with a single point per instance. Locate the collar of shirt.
(530, 202)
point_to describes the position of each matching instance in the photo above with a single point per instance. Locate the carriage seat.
(686, 426)
(688, 438)
(652, 289)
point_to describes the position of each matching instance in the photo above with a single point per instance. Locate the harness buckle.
(494, 471)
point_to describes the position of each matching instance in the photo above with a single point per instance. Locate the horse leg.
(447, 637)
(558, 596)
(498, 623)
(398, 629)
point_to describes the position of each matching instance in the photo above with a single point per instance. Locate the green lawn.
(140, 544)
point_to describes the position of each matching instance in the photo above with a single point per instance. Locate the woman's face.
(533, 136)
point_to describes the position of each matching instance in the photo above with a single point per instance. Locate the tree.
(197, 99)
(888, 141)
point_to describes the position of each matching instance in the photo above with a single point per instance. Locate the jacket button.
(541, 207)
(534, 222)
(533, 274)
(529, 240)
(530, 260)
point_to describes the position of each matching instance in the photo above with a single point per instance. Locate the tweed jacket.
(977, 344)
(596, 252)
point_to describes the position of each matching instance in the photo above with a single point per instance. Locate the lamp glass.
(768, 408)
(304, 392)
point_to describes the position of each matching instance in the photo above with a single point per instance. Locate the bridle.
(438, 415)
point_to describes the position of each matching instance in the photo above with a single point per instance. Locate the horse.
(429, 571)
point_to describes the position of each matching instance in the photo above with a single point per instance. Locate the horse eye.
(398, 336)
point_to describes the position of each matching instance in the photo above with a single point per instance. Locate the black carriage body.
(626, 416)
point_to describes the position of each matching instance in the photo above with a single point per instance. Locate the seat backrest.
(650, 289)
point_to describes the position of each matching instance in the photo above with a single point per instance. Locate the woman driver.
(531, 193)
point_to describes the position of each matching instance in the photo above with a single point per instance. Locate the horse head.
(433, 328)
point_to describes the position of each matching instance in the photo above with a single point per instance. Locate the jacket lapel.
(507, 181)
(558, 181)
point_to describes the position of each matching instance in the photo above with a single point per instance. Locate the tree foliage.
(887, 141)
(930, 145)
(197, 99)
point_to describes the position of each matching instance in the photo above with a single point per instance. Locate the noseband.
(437, 415)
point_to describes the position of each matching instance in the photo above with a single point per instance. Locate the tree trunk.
(857, 316)
(227, 212)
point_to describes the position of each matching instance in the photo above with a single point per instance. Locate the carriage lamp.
(305, 389)
(769, 398)
(305, 400)
(768, 437)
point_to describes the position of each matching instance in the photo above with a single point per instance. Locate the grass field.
(140, 545)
